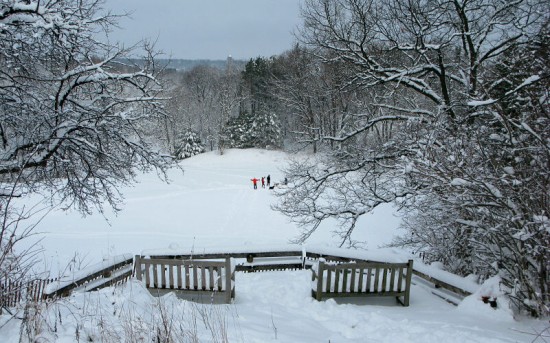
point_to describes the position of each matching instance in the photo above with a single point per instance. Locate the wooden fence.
(363, 279)
(105, 276)
(206, 275)
(191, 279)
(255, 261)
(13, 292)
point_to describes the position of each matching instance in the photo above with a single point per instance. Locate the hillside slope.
(212, 204)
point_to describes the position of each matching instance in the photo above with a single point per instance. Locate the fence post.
(408, 283)
(137, 267)
(228, 280)
(320, 272)
(304, 256)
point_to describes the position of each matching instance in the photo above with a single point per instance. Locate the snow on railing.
(279, 257)
(252, 259)
(100, 273)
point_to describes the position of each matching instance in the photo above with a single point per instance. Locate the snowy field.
(212, 204)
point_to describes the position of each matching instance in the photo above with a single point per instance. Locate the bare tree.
(297, 87)
(71, 109)
(315, 98)
(227, 102)
(202, 100)
(201, 84)
(440, 133)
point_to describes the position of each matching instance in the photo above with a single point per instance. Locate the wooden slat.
(384, 280)
(223, 256)
(219, 278)
(203, 277)
(211, 273)
(147, 274)
(187, 281)
(185, 262)
(270, 267)
(345, 273)
(376, 277)
(400, 280)
(180, 279)
(408, 284)
(163, 275)
(352, 281)
(320, 272)
(361, 295)
(369, 275)
(228, 280)
(329, 281)
(171, 276)
(137, 267)
(155, 276)
(336, 280)
(392, 280)
(442, 284)
(360, 286)
(195, 277)
(329, 257)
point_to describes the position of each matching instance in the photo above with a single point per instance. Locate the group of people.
(263, 179)
(268, 179)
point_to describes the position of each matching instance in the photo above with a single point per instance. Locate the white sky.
(209, 29)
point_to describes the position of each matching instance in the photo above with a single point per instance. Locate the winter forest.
(440, 108)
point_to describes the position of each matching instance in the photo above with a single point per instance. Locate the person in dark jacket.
(268, 178)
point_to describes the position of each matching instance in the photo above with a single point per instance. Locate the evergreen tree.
(256, 76)
(247, 131)
(188, 144)
(237, 132)
(266, 130)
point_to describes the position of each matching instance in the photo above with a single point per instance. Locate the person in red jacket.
(255, 182)
(263, 182)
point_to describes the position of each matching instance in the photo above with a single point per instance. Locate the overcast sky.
(209, 29)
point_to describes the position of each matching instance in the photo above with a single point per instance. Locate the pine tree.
(266, 131)
(188, 144)
(237, 132)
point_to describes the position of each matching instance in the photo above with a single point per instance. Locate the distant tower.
(229, 64)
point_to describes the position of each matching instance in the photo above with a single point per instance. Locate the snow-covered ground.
(210, 206)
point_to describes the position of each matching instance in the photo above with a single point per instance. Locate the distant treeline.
(185, 64)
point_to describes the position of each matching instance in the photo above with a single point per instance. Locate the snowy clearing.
(213, 206)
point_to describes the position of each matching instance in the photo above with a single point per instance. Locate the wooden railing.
(95, 278)
(442, 284)
(350, 274)
(13, 292)
(253, 261)
(363, 279)
(342, 276)
(190, 279)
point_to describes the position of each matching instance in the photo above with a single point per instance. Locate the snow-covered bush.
(188, 144)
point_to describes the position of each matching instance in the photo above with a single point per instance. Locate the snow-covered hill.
(213, 204)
